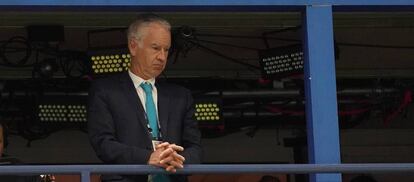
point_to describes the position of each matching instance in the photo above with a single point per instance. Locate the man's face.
(149, 55)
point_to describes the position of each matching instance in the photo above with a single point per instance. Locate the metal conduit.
(295, 92)
(86, 170)
(239, 93)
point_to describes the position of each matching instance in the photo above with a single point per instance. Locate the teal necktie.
(150, 108)
(152, 120)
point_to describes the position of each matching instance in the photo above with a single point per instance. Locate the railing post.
(320, 90)
(85, 176)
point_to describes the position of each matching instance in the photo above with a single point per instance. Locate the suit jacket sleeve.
(191, 137)
(102, 132)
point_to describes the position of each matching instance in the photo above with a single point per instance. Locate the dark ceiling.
(371, 44)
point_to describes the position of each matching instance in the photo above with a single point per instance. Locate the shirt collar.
(138, 80)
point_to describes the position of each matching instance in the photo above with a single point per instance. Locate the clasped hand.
(166, 156)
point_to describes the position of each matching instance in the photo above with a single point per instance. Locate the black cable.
(374, 46)
(291, 29)
(230, 36)
(224, 56)
(6, 48)
(73, 63)
(229, 45)
(265, 34)
(298, 40)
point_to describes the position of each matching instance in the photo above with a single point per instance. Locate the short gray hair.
(143, 20)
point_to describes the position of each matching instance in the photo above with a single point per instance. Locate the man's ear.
(132, 45)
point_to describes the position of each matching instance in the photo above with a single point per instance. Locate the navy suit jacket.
(118, 129)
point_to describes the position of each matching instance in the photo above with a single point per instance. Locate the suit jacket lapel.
(163, 105)
(132, 96)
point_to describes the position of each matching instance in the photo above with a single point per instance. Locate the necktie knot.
(146, 87)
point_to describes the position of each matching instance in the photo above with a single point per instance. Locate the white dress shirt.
(141, 94)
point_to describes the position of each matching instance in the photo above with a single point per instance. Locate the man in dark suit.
(129, 124)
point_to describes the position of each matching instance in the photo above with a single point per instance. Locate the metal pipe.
(295, 92)
(242, 93)
(209, 169)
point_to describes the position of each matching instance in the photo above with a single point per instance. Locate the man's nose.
(162, 55)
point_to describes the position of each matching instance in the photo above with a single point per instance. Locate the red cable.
(404, 103)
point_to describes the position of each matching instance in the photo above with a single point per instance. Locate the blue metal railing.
(86, 170)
